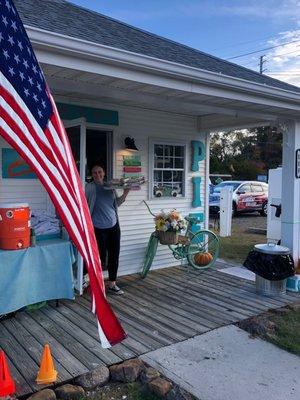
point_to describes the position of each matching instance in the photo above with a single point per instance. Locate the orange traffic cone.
(47, 373)
(7, 384)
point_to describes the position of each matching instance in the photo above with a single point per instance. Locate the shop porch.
(169, 306)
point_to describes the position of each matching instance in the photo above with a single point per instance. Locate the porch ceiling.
(214, 111)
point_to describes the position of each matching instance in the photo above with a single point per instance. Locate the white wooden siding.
(135, 220)
(22, 190)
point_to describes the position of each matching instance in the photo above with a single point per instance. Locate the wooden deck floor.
(170, 305)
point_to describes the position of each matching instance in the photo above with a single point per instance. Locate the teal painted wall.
(92, 115)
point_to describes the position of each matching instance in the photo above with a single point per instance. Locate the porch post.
(206, 191)
(290, 218)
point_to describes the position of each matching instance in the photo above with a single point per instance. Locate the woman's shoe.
(115, 290)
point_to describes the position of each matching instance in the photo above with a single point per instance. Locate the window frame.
(165, 142)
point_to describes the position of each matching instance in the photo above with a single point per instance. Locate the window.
(168, 170)
(257, 188)
(245, 188)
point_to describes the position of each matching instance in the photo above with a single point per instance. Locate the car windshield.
(234, 185)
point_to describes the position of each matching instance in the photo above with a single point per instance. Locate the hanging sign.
(13, 166)
(132, 166)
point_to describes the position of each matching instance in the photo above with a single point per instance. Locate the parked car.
(247, 196)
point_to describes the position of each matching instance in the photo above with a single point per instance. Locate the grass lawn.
(287, 330)
(236, 247)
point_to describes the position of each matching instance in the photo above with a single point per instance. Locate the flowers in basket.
(168, 225)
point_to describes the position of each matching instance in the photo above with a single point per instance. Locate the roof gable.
(68, 19)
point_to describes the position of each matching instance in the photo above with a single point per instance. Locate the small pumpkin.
(203, 258)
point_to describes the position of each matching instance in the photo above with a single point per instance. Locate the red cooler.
(14, 226)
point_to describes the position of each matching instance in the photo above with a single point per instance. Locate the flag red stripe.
(108, 322)
(43, 164)
(52, 152)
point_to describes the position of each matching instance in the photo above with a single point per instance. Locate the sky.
(227, 29)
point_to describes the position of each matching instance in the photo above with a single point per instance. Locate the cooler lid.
(272, 248)
(14, 205)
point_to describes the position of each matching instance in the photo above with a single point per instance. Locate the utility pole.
(261, 64)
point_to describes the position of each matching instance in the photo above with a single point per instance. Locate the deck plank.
(88, 324)
(79, 333)
(168, 306)
(148, 309)
(159, 305)
(88, 359)
(22, 387)
(136, 331)
(124, 350)
(200, 297)
(209, 312)
(59, 352)
(247, 300)
(21, 359)
(164, 299)
(286, 298)
(33, 347)
(150, 321)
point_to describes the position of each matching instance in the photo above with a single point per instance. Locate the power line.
(241, 43)
(259, 51)
(268, 58)
(284, 73)
(284, 54)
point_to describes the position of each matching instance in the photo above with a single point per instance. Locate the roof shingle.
(71, 20)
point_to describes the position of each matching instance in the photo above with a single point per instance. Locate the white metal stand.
(290, 218)
(225, 211)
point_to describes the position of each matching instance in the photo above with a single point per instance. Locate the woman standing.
(103, 204)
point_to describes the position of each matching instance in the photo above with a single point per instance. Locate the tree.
(246, 153)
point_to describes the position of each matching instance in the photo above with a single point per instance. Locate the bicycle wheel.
(150, 254)
(203, 242)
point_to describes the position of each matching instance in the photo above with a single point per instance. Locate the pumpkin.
(203, 258)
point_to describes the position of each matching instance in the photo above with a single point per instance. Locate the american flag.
(30, 123)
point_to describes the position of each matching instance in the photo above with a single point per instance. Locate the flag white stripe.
(56, 193)
(105, 343)
(10, 89)
(76, 185)
(37, 148)
(57, 140)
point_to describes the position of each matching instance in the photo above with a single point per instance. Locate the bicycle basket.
(167, 237)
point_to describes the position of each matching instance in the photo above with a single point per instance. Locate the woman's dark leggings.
(109, 247)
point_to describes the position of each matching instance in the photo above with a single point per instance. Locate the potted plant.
(168, 225)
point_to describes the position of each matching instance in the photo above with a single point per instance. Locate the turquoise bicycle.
(198, 248)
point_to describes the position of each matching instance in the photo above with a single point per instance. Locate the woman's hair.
(96, 164)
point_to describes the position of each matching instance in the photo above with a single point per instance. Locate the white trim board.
(240, 272)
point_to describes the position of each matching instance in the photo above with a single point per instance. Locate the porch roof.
(68, 19)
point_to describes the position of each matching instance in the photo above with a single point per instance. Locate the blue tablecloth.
(36, 274)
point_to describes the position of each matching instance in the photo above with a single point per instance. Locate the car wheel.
(264, 210)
